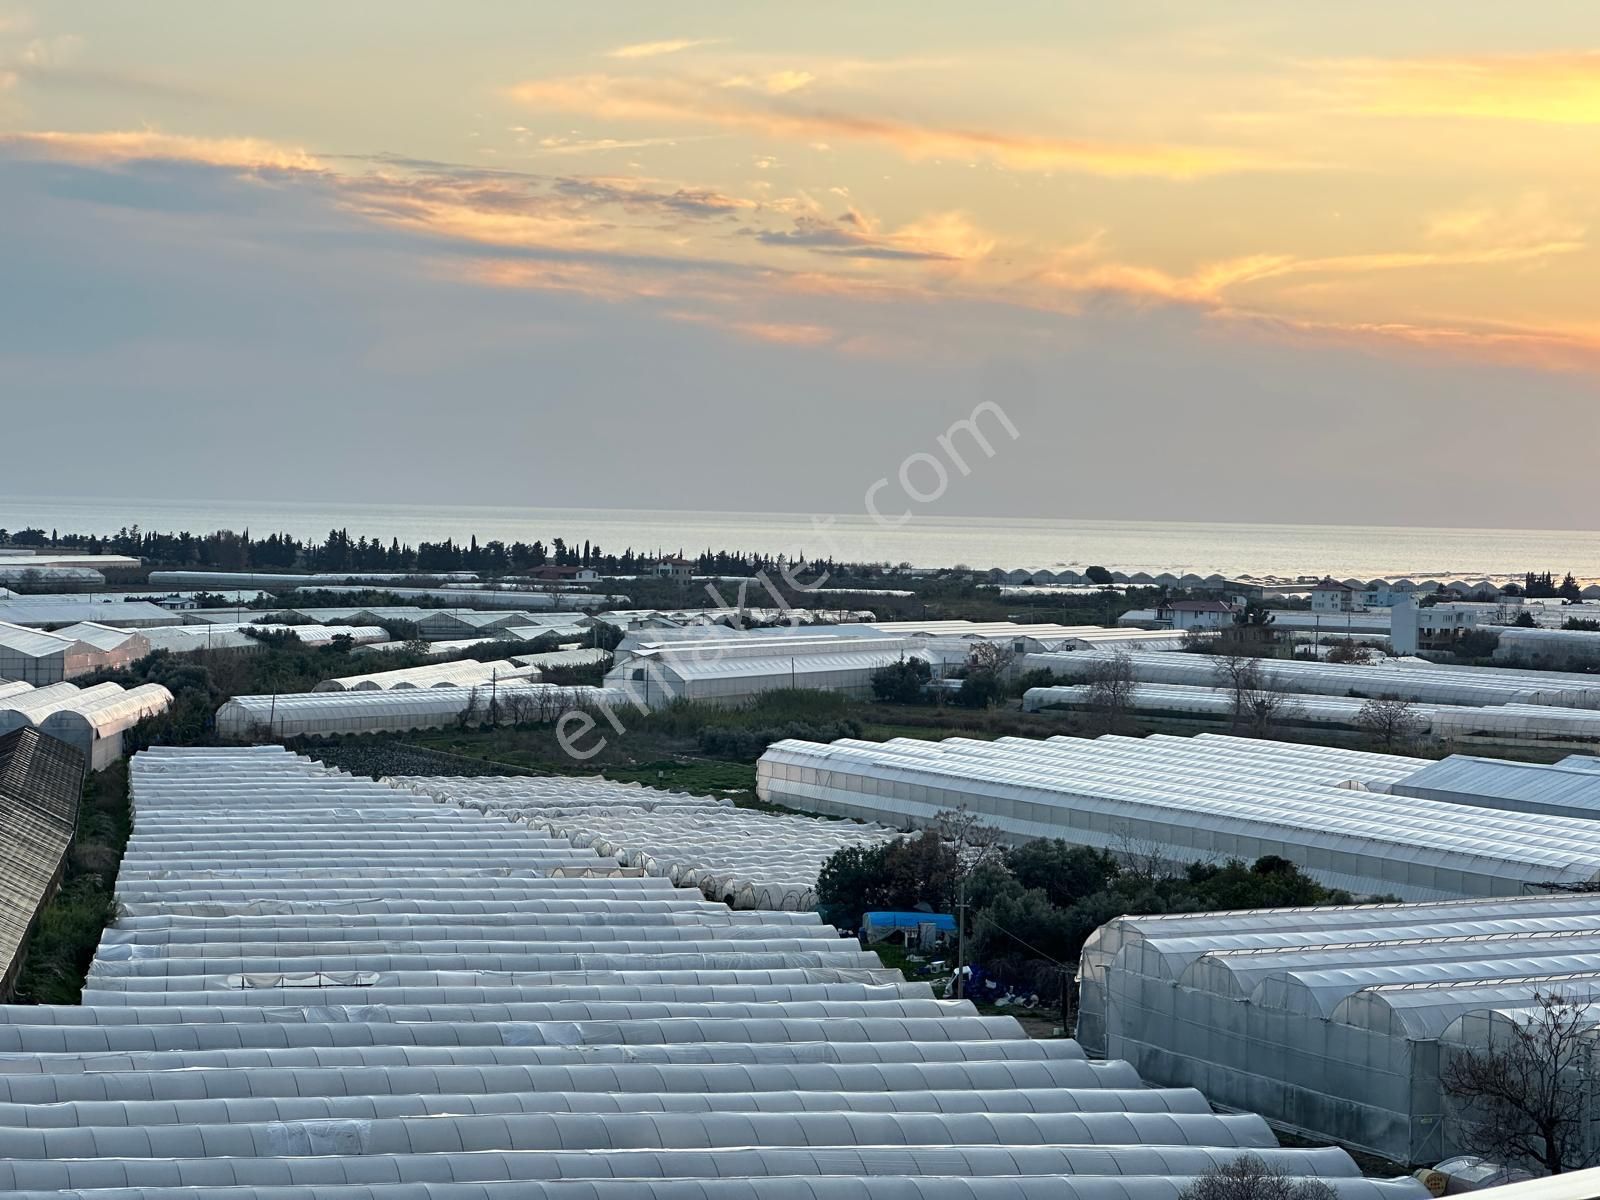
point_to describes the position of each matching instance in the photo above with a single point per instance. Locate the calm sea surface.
(1254, 550)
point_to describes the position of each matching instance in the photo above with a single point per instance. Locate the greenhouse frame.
(41, 781)
(735, 670)
(399, 710)
(1205, 798)
(1335, 1022)
(663, 1045)
(1442, 722)
(1427, 684)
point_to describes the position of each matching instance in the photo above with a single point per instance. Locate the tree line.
(227, 550)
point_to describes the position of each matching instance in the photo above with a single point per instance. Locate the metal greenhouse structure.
(1336, 1021)
(1444, 722)
(326, 986)
(1428, 684)
(397, 710)
(1208, 797)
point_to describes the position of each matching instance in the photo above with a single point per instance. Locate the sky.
(1255, 261)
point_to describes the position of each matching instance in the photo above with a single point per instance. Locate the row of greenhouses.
(733, 670)
(1341, 1022)
(398, 710)
(1427, 683)
(1438, 722)
(1207, 798)
(329, 986)
(747, 859)
(468, 672)
(91, 719)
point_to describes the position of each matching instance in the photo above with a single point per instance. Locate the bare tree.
(977, 845)
(991, 658)
(1390, 721)
(472, 714)
(1524, 1099)
(1111, 691)
(1248, 1178)
(1260, 701)
(1143, 859)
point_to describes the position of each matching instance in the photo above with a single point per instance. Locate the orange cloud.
(1210, 283)
(1560, 88)
(656, 49)
(657, 99)
(626, 239)
(147, 144)
(1543, 349)
(777, 83)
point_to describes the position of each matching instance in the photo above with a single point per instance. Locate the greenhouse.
(466, 673)
(34, 657)
(748, 860)
(274, 581)
(1570, 788)
(1551, 647)
(91, 719)
(724, 670)
(1333, 1022)
(399, 710)
(1432, 684)
(95, 726)
(31, 709)
(484, 598)
(1443, 722)
(330, 986)
(1205, 798)
(118, 647)
(40, 784)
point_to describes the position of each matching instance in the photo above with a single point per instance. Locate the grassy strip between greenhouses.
(62, 944)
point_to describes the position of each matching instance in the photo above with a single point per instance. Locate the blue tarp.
(884, 921)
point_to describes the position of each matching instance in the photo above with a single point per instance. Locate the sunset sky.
(1244, 261)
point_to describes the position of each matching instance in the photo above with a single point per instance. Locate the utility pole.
(961, 940)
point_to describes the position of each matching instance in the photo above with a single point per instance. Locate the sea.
(1258, 551)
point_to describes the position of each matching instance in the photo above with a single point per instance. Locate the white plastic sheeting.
(1202, 798)
(1570, 788)
(317, 713)
(515, 600)
(1434, 684)
(675, 1050)
(1332, 1020)
(1555, 647)
(748, 860)
(92, 719)
(96, 726)
(466, 673)
(734, 668)
(1500, 722)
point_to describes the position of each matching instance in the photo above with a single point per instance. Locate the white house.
(1196, 614)
(675, 568)
(1332, 596)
